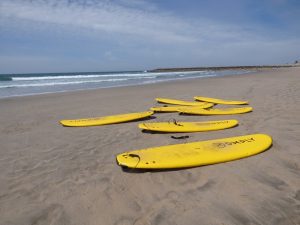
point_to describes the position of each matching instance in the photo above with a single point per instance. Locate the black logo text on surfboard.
(230, 143)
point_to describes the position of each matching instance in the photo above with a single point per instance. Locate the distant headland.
(178, 69)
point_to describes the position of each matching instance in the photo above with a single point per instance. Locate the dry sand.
(55, 175)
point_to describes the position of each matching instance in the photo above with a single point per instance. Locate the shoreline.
(255, 71)
(52, 174)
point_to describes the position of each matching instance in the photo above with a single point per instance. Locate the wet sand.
(51, 174)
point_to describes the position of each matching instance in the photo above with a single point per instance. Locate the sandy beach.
(50, 174)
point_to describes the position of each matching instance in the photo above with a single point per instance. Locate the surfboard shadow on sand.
(132, 170)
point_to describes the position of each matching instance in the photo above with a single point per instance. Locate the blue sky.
(110, 35)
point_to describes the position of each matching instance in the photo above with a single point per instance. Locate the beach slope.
(50, 174)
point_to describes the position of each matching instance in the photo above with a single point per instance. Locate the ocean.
(32, 84)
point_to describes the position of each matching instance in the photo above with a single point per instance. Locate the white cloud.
(135, 18)
(101, 16)
(139, 3)
(126, 34)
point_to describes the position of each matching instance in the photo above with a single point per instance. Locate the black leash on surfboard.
(175, 122)
(180, 137)
(135, 156)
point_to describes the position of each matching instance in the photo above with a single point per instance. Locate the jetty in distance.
(180, 69)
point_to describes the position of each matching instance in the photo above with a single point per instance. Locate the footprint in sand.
(172, 195)
(124, 221)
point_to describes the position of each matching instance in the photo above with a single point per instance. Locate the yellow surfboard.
(220, 101)
(176, 108)
(178, 102)
(195, 153)
(188, 126)
(228, 111)
(106, 119)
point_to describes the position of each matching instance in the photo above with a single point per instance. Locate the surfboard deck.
(195, 153)
(178, 102)
(227, 111)
(220, 101)
(97, 121)
(176, 108)
(188, 126)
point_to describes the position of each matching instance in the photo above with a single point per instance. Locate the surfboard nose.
(128, 160)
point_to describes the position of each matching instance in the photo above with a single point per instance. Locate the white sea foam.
(151, 75)
(59, 80)
(54, 77)
(47, 83)
(60, 83)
